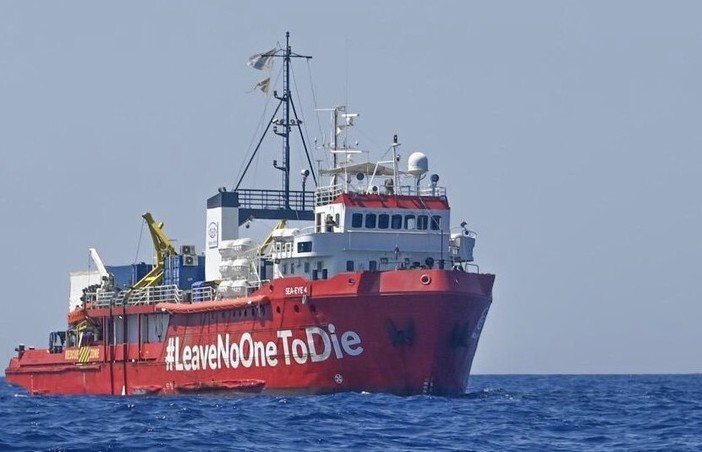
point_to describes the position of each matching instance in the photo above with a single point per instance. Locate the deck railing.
(145, 296)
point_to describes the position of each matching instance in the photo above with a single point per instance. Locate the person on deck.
(330, 223)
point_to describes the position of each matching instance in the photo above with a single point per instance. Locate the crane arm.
(163, 247)
(162, 244)
(98, 263)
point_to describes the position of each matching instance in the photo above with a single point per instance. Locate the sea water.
(551, 413)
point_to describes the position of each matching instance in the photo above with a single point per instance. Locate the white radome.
(417, 164)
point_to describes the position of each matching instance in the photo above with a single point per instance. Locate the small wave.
(487, 393)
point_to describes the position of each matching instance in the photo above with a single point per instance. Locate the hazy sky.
(568, 134)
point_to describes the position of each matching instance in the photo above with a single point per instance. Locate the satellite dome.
(417, 164)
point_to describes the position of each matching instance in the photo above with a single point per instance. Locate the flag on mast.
(263, 85)
(262, 61)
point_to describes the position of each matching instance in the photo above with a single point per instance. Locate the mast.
(286, 138)
(279, 204)
(338, 112)
(335, 143)
(285, 99)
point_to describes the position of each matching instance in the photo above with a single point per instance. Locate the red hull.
(404, 332)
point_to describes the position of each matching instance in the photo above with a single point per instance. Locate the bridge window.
(422, 222)
(410, 222)
(370, 220)
(304, 247)
(357, 220)
(396, 222)
(383, 221)
(435, 222)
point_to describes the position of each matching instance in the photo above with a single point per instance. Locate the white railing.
(145, 296)
(156, 294)
(205, 293)
(412, 190)
(325, 195)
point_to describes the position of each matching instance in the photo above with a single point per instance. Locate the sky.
(568, 135)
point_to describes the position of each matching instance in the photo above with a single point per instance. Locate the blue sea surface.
(522, 412)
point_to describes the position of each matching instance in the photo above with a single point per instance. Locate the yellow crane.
(263, 249)
(163, 249)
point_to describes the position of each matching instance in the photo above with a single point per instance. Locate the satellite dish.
(417, 164)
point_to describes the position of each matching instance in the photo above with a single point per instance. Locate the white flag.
(262, 61)
(264, 84)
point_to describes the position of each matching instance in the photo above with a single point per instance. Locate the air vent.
(189, 261)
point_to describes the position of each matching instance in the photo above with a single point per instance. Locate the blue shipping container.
(128, 275)
(183, 271)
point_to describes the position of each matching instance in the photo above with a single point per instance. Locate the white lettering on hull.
(248, 352)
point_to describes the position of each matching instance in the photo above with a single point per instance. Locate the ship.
(362, 285)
